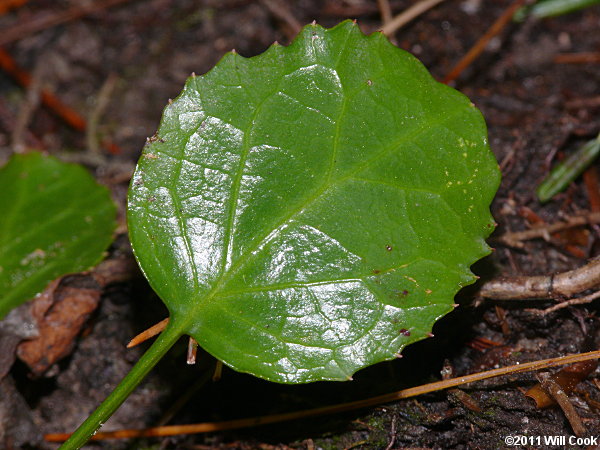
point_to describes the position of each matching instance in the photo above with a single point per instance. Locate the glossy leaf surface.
(55, 220)
(312, 210)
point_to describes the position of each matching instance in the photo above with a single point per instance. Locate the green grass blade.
(568, 170)
(552, 8)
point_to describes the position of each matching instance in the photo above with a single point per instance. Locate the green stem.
(148, 360)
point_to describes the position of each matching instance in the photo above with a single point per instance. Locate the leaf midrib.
(246, 145)
(201, 302)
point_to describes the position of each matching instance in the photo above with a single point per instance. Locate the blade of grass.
(552, 8)
(569, 169)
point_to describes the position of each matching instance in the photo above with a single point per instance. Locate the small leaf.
(312, 210)
(55, 220)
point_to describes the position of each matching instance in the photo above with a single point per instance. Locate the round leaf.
(55, 220)
(312, 210)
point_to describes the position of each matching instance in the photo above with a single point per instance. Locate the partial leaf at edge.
(312, 210)
(55, 220)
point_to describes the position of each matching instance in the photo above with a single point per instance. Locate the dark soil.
(534, 108)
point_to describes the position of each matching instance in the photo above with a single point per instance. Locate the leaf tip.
(454, 305)
(193, 75)
(398, 355)
(429, 335)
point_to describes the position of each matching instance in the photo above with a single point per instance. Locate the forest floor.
(136, 55)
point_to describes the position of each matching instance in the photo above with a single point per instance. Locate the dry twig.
(386, 398)
(385, 10)
(21, 30)
(515, 239)
(102, 101)
(480, 45)
(560, 285)
(407, 15)
(71, 117)
(577, 58)
(554, 389)
(282, 12)
(571, 302)
(587, 102)
(27, 110)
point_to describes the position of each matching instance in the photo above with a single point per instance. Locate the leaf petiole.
(148, 360)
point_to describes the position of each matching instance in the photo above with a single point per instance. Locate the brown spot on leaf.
(155, 138)
(404, 332)
(388, 248)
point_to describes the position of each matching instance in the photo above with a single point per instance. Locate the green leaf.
(312, 210)
(55, 220)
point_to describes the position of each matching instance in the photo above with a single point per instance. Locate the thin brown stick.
(27, 110)
(71, 117)
(515, 239)
(554, 389)
(102, 101)
(564, 284)
(342, 407)
(385, 10)
(574, 301)
(577, 58)
(282, 12)
(392, 434)
(587, 102)
(480, 45)
(407, 15)
(8, 121)
(21, 30)
(150, 332)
